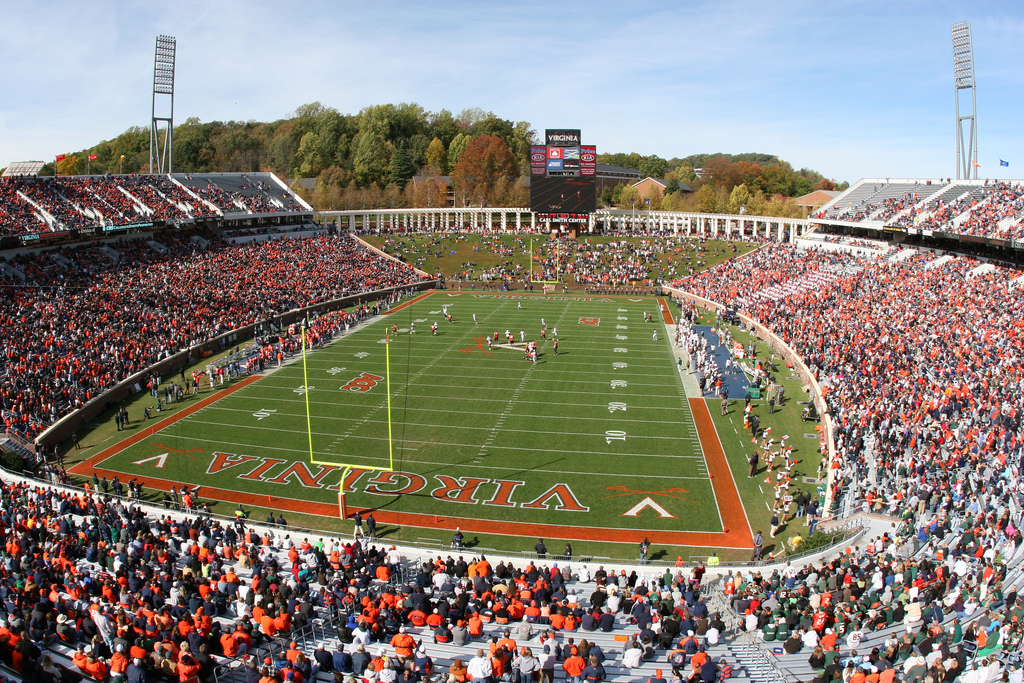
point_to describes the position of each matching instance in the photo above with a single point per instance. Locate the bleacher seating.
(213, 583)
(989, 209)
(31, 205)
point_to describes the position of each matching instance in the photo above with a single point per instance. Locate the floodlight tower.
(963, 79)
(163, 85)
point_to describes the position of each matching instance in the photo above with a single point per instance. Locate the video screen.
(563, 194)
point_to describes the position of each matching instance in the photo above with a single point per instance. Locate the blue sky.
(851, 89)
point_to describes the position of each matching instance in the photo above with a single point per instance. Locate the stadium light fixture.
(963, 79)
(163, 86)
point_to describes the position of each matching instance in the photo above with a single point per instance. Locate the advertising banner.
(588, 160)
(538, 155)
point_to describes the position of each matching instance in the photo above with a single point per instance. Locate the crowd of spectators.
(85, 320)
(919, 365)
(995, 209)
(611, 264)
(983, 217)
(922, 367)
(86, 202)
(600, 266)
(769, 269)
(94, 587)
(895, 205)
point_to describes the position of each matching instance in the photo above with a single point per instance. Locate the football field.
(595, 441)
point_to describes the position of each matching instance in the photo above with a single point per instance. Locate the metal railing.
(319, 630)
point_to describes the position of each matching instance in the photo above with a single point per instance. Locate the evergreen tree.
(401, 166)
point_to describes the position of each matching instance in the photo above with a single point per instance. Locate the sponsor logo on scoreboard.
(538, 155)
(571, 153)
(588, 160)
(554, 164)
(555, 153)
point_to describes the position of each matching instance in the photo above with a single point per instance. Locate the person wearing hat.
(457, 672)
(292, 652)
(422, 664)
(268, 674)
(341, 661)
(377, 664)
(403, 644)
(118, 663)
(65, 631)
(323, 658)
(915, 669)
(574, 666)
(360, 660)
(135, 673)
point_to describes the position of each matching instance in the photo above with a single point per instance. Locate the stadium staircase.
(42, 214)
(11, 444)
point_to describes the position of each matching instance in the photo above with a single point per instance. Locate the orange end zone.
(410, 302)
(734, 517)
(666, 312)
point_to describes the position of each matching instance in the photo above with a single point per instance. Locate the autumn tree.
(437, 157)
(485, 160)
(738, 198)
(69, 165)
(705, 199)
(458, 144)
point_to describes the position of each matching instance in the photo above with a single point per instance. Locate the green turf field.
(579, 439)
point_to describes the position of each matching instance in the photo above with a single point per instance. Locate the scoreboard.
(563, 171)
(563, 195)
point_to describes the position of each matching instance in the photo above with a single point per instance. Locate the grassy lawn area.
(471, 255)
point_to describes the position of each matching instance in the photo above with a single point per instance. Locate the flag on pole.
(93, 157)
(975, 164)
(1004, 163)
(60, 157)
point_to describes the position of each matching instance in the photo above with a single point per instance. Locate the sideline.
(410, 302)
(156, 427)
(734, 516)
(696, 539)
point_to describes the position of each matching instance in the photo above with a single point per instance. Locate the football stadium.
(252, 437)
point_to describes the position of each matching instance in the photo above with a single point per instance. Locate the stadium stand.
(85, 319)
(922, 361)
(30, 205)
(991, 209)
(920, 357)
(108, 589)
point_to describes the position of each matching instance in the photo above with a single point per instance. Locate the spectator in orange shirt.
(573, 667)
